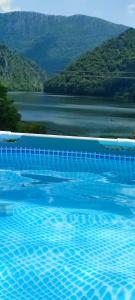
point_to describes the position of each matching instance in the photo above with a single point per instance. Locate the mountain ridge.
(105, 71)
(54, 41)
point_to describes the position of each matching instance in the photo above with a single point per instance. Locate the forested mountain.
(18, 73)
(54, 41)
(109, 70)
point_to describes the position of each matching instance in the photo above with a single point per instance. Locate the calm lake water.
(83, 116)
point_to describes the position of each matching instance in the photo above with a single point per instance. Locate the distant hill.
(54, 41)
(18, 73)
(109, 70)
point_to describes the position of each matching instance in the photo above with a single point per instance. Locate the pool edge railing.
(116, 146)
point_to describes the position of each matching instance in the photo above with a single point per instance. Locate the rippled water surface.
(78, 115)
(67, 228)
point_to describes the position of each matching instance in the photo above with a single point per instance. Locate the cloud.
(131, 8)
(6, 6)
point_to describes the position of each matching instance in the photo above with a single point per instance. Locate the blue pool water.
(67, 226)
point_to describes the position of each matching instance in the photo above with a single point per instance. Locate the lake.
(82, 116)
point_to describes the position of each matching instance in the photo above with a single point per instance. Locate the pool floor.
(67, 228)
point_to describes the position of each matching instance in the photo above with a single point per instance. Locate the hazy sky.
(118, 11)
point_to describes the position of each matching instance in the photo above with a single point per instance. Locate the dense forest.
(107, 71)
(54, 41)
(18, 73)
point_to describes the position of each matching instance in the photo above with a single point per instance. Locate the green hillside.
(109, 71)
(54, 41)
(17, 73)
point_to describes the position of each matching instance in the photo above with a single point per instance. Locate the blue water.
(67, 228)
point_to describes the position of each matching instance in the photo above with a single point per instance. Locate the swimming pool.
(67, 224)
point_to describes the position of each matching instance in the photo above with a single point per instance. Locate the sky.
(117, 11)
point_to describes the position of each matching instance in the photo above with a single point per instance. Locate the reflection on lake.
(83, 116)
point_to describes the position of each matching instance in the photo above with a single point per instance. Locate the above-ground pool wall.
(110, 146)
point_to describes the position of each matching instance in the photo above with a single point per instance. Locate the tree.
(9, 116)
(10, 119)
